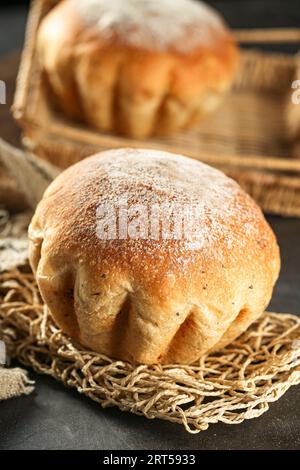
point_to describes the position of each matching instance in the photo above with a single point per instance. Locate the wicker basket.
(252, 137)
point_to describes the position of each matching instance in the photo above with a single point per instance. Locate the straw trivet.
(236, 384)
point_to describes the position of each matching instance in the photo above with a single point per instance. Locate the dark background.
(58, 418)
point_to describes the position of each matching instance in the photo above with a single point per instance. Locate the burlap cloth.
(14, 382)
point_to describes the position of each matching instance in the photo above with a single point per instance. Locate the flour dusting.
(226, 217)
(154, 24)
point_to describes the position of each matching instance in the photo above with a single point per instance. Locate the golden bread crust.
(152, 300)
(138, 91)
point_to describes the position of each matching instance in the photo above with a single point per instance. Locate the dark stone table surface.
(55, 417)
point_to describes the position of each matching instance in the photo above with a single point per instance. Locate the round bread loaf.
(151, 257)
(137, 67)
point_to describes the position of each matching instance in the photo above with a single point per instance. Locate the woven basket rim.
(25, 114)
(284, 170)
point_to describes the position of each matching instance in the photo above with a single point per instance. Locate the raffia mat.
(230, 386)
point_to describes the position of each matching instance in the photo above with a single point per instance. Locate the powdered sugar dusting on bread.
(152, 177)
(154, 24)
(227, 217)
